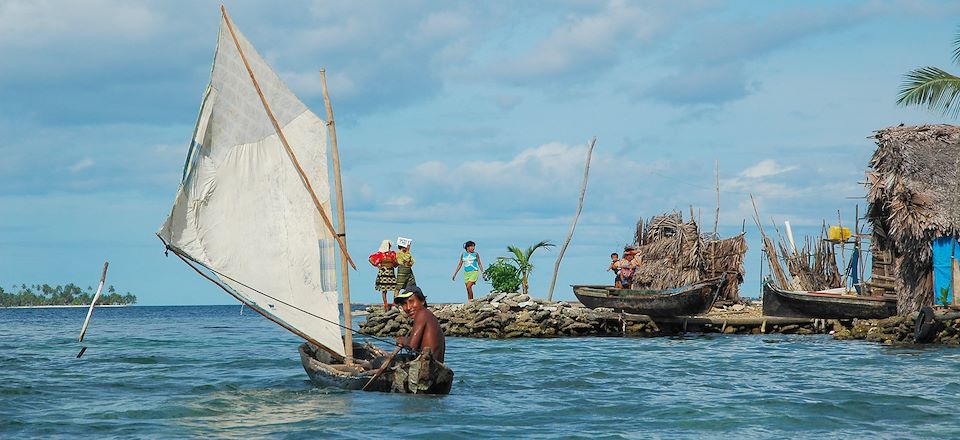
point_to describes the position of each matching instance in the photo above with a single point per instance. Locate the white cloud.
(81, 165)
(32, 24)
(765, 168)
(583, 41)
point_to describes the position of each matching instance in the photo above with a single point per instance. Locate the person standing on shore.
(405, 262)
(472, 267)
(385, 260)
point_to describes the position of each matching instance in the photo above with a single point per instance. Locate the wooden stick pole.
(716, 215)
(283, 140)
(573, 224)
(93, 302)
(341, 221)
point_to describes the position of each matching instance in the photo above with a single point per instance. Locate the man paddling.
(425, 333)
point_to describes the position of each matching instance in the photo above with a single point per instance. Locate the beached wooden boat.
(406, 373)
(687, 300)
(252, 215)
(824, 305)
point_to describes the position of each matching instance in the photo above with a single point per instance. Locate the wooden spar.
(253, 306)
(573, 224)
(283, 140)
(341, 222)
(96, 296)
(382, 368)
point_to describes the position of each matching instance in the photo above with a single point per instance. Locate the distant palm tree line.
(70, 294)
(933, 87)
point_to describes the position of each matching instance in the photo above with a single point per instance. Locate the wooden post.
(93, 302)
(341, 222)
(573, 224)
(283, 140)
(716, 215)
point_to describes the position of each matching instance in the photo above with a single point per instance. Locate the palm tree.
(522, 259)
(933, 87)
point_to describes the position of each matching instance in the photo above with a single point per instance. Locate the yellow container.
(836, 233)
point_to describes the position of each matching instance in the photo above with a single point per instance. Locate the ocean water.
(179, 372)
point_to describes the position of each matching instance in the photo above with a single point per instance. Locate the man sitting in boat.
(425, 334)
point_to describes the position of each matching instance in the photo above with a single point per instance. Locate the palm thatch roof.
(914, 195)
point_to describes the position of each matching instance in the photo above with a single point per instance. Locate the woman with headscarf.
(385, 260)
(405, 262)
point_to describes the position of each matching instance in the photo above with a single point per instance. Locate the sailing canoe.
(824, 305)
(687, 300)
(250, 215)
(420, 374)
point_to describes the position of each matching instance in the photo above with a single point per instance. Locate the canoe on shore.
(691, 299)
(420, 374)
(797, 304)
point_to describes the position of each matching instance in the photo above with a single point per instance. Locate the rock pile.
(502, 315)
(514, 315)
(899, 330)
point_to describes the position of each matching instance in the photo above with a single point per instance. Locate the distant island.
(69, 295)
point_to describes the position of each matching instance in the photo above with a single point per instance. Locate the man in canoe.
(425, 334)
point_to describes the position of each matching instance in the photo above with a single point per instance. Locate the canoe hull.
(421, 374)
(692, 299)
(795, 304)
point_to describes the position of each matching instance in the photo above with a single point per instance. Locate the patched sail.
(243, 211)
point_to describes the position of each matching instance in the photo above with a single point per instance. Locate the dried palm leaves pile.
(675, 254)
(913, 188)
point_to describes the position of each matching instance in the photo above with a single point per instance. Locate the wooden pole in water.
(341, 222)
(96, 296)
(573, 224)
(283, 140)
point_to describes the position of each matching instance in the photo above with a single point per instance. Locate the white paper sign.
(403, 241)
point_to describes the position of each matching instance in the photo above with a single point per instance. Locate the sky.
(457, 120)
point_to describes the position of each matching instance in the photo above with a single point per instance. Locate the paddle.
(382, 368)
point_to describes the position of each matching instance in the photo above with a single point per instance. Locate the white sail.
(244, 212)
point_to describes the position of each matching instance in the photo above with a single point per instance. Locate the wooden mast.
(283, 140)
(341, 225)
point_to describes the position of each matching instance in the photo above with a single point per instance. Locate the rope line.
(184, 257)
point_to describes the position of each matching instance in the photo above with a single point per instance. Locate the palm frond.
(518, 256)
(542, 244)
(933, 88)
(956, 48)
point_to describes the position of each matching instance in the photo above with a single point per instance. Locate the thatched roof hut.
(914, 195)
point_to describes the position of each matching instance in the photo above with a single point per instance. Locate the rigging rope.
(185, 259)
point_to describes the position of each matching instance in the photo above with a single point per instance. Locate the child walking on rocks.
(472, 267)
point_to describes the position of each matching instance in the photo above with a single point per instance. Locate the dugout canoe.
(687, 300)
(407, 373)
(824, 305)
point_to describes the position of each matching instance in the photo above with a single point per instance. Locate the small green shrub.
(504, 276)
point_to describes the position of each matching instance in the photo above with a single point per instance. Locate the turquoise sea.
(207, 371)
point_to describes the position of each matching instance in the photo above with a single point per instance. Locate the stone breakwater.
(515, 315)
(900, 330)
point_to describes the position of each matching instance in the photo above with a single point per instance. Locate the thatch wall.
(675, 254)
(914, 195)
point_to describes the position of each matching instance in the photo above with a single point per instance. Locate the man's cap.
(407, 293)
